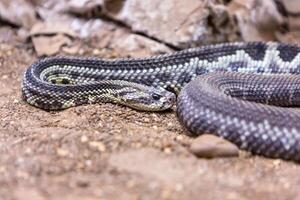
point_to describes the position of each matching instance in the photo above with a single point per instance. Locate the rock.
(136, 45)
(54, 22)
(62, 152)
(292, 10)
(266, 16)
(179, 23)
(49, 45)
(289, 37)
(50, 28)
(18, 12)
(72, 49)
(100, 146)
(292, 6)
(105, 35)
(7, 35)
(222, 25)
(84, 6)
(257, 20)
(293, 23)
(210, 146)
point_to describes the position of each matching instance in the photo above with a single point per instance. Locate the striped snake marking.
(242, 92)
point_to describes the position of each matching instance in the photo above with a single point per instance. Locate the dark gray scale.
(235, 66)
(288, 52)
(212, 54)
(201, 70)
(256, 50)
(261, 70)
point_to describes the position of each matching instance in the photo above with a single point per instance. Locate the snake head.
(144, 98)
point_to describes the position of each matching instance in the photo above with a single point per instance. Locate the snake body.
(216, 84)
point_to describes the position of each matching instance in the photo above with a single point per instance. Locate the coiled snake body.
(227, 84)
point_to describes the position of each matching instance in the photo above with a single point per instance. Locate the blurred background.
(139, 28)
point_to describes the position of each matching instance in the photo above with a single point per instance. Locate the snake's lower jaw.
(168, 101)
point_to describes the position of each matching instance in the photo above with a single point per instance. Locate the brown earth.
(107, 151)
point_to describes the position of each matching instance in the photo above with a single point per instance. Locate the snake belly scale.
(222, 90)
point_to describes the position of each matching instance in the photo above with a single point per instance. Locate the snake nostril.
(171, 99)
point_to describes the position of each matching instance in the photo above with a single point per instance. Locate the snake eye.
(156, 97)
(65, 81)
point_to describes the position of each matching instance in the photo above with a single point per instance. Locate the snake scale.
(233, 90)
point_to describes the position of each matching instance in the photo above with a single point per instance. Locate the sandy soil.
(111, 152)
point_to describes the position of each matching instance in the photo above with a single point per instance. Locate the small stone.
(88, 163)
(179, 138)
(147, 120)
(155, 127)
(96, 52)
(4, 77)
(170, 124)
(55, 136)
(84, 139)
(98, 145)
(62, 152)
(28, 151)
(167, 150)
(277, 163)
(210, 146)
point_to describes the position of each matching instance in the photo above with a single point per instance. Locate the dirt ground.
(107, 151)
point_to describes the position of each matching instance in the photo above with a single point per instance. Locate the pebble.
(277, 163)
(4, 77)
(167, 150)
(98, 145)
(62, 152)
(2, 169)
(84, 139)
(179, 138)
(147, 120)
(210, 146)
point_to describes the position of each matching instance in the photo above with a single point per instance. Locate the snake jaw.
(146, 98)
(169, 100)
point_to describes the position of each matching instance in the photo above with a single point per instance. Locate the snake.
(244, 92)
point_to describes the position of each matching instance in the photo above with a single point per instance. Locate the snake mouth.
(169, 102)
